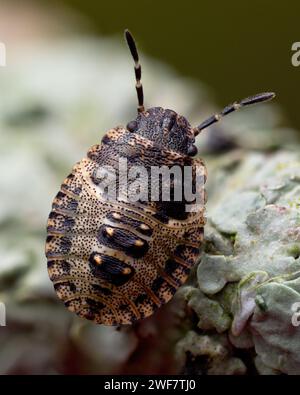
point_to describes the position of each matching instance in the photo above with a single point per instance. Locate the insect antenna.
(260, 97)
(137, 69)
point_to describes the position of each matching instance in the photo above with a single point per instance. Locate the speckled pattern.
(117, 262)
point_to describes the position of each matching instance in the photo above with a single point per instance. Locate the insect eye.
(131, 126)
(192, 150)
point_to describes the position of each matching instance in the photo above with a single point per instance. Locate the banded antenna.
(260, 97)
(137, 69)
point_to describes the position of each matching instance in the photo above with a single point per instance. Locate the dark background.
(237, 48)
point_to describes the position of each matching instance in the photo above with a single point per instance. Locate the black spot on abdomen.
(94, 305)
(65, 202)
(139, 226)
(123, 240)
(101, 290)
(110, 269)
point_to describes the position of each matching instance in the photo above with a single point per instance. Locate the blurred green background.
(237, 48)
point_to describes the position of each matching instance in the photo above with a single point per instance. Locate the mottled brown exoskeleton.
(115, 262)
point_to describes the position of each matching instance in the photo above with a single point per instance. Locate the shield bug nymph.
(115, 262)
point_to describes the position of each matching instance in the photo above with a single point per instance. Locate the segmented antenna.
(260, 97)
(137, 69)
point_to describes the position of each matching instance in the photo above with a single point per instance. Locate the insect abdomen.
(115, 262)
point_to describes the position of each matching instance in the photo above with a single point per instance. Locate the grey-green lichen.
(210, 352)
(252, 248)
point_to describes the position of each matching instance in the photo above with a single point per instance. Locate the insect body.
(117, 261)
